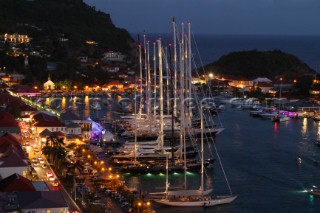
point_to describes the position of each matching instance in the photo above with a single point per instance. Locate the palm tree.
(77, 165)
(48, 152)
(54, 148)
(58, 153)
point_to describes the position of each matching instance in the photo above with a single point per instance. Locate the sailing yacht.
(198, 197)
(188, 198)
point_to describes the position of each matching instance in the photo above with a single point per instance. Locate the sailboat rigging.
(198, 197)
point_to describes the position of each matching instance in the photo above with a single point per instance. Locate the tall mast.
(167, 176)
(189, 73)
(174, 66)
(171, 106)
(140, 73)
(201, 149)
(186, 79)
(145, 68)
(167, 83)
(148, 83)
(161, 93)
(182, 112)
(155, 79)
(135, 125)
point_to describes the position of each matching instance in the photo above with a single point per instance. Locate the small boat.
(96, 106)
(299, 160)
(280, 118)
(314, 190)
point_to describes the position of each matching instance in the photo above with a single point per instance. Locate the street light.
(139, 205)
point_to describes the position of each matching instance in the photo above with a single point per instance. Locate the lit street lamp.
(139, 205)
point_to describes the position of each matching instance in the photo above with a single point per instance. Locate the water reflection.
(304, 126)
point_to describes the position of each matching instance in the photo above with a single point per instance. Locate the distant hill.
(72, 19)
(252, 64)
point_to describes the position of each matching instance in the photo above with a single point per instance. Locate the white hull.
(280, 118)
(219, 200)
(177, 193)
(268, 115)
(213, 131)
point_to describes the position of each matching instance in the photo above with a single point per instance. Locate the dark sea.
(209, 48)
(259, 157)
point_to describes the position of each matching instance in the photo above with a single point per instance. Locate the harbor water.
(260, 160)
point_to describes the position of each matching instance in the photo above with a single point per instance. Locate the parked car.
(44, 165)
(55, 183)
(49, 174)
(40, 159)
(52, 179)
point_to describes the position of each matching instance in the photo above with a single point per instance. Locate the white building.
(49, 85)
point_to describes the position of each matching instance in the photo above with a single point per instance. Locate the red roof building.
(12, 157)
(16, 183)
(9, 124)
(42, 121)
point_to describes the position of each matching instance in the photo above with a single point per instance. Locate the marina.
(259, 157)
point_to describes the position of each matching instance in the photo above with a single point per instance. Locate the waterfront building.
(73, 129)
(75, 125)
(42, 120)
(24, 90)
(49, 85)
(113, 86)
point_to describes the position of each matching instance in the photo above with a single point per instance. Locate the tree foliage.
(253, 64)
(46, 20)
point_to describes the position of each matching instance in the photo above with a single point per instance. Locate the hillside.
(252, 64)
(71, 19)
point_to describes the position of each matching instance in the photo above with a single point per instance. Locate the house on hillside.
(9, 124)
(264, 86)
(33, 201)
(113, 56)
(262, 79)
(240, 82)
(12, 157)
(16, 183)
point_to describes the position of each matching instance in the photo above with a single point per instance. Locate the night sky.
(279, 17)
